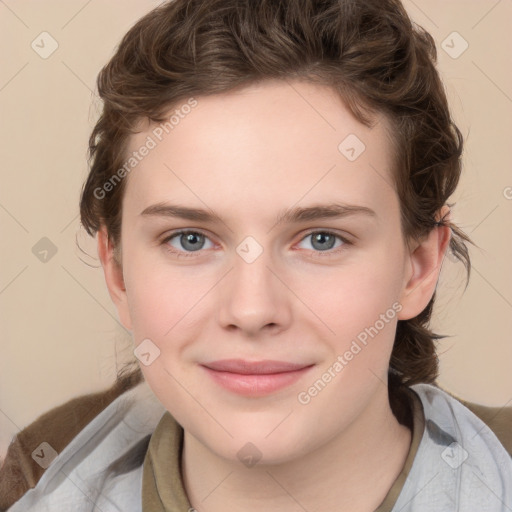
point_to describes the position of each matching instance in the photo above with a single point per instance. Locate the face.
(296, 256)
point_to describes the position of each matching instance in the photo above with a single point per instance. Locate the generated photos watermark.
(151, 142)
(357, 345)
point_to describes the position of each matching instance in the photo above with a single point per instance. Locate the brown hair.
(369, 51)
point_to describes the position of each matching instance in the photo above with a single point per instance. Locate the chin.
(251, 446)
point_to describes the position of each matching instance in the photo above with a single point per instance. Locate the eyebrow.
(290, 215)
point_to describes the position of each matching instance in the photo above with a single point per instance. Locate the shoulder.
(498, 419)
(460, 463)
(55, 428)
(470, 415)
(120, 428)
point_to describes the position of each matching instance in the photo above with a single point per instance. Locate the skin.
(247, 155)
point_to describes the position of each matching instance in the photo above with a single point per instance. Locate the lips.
(254, 367)
(255, 378)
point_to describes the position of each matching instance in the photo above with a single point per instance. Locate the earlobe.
(113, 276)
(425, 262)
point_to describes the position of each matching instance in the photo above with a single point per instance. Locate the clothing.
(437, 474)
(75, 480)
(19, 471)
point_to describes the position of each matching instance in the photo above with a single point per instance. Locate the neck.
(352, 472)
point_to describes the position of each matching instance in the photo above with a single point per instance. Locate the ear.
(113, 277)
(423, 268)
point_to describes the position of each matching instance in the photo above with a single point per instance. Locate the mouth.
(255, 378)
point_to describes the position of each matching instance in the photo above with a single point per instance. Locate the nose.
(254, 298)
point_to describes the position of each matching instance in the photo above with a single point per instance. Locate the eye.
(187, 242)
(184, 243)
(325, 241)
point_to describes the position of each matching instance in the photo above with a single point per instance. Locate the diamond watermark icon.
(249, 249)
(44, 45)
(454, 455)
(351, 147)
(249, 455)
(146, 352)
(454, 45)
(44, 455)
(44, 250)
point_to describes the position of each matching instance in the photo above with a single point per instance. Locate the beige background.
(60, 335)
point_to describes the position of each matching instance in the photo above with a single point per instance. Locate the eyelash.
(320, 254)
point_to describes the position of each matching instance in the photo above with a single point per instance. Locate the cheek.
(164, 300)
(361, 307)
(356, 297)
(158, 304)
(150, 310)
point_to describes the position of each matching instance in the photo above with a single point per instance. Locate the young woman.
(269, 184)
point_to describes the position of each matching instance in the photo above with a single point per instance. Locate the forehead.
(268, 144)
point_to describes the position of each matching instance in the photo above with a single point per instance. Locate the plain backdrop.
(60, 337)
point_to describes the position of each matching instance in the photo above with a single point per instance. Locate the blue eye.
(190, 241)
(324, 242)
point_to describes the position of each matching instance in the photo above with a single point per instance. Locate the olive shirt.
(455, 462)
